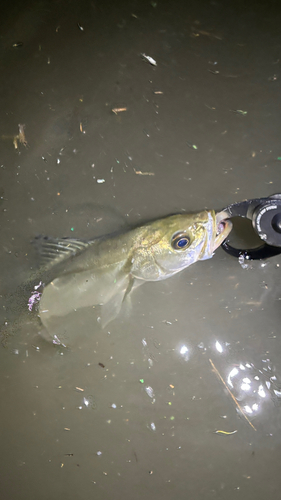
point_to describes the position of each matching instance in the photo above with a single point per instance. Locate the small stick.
(233, 397)
(118, 110)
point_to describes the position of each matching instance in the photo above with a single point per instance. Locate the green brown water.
(62, 79)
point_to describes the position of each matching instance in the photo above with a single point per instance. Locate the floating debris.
(21, 134)
(89, 402)
(118, 110)
(17, 45)
(35, 297)
(19, 137)
(193, 146)
(239, 111)
(205, 33)
(149, 59)
(139, 172)
(225, 432)
(100, 181)
(149, 391)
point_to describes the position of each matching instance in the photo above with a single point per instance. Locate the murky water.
(141, 409)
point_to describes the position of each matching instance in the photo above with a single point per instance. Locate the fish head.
(171, 244)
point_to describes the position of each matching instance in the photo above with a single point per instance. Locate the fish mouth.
(223, 226)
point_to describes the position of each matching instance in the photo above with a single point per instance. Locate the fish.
(105, 270)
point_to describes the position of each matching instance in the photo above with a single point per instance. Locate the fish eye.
(180, 241)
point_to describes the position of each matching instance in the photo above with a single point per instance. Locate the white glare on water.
(233, 372)
(218, 346)
(261, 391)
(183, 349)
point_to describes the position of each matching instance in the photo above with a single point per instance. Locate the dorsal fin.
(53, 251)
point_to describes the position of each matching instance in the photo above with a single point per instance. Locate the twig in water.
(233, 397)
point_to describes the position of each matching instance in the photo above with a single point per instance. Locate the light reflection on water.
(254, 386)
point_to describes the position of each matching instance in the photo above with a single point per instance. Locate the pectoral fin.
(111, 308)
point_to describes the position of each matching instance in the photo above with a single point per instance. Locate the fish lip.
(223, 226)
(221, 216)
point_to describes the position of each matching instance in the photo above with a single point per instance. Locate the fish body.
(105, 270)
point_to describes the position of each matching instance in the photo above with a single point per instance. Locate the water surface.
(132, 411)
